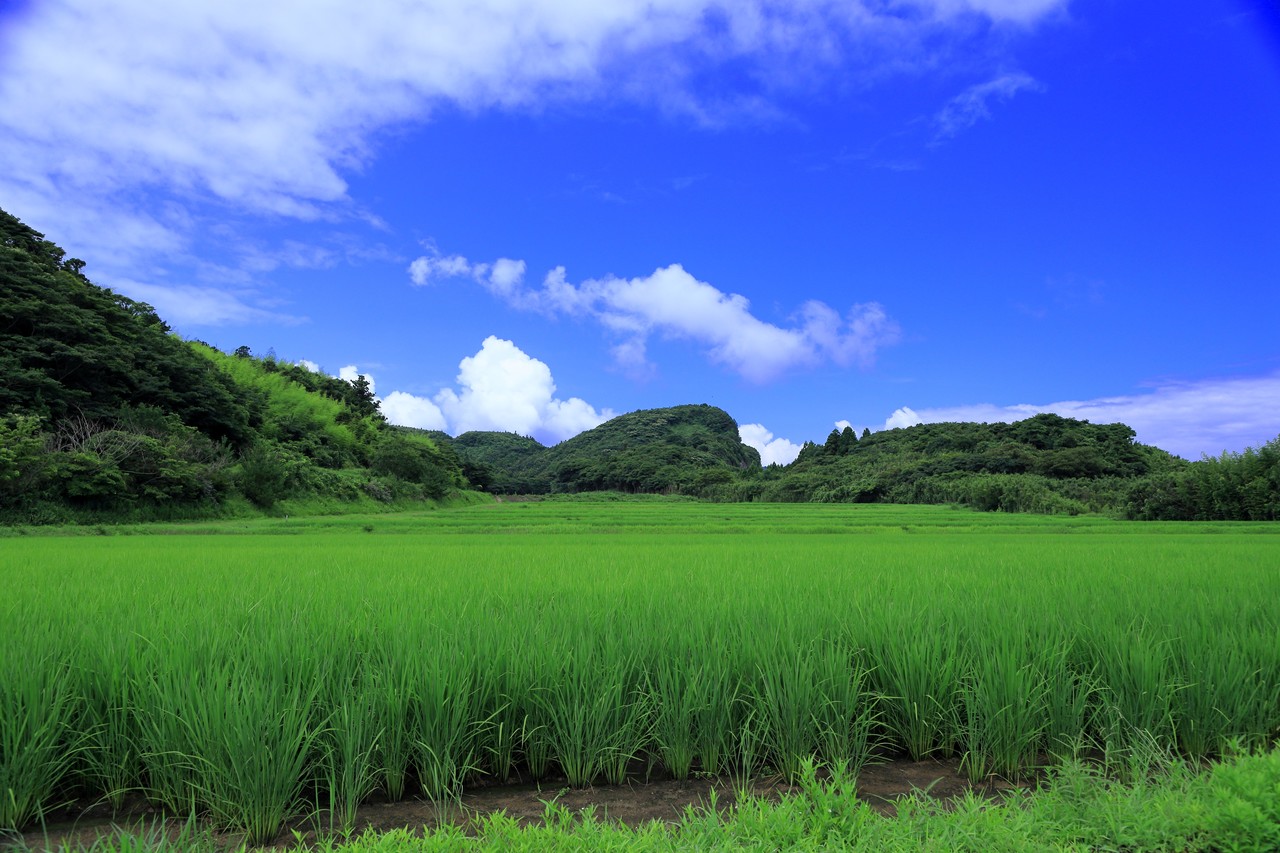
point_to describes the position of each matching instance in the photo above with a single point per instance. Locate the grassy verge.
(1232, 806)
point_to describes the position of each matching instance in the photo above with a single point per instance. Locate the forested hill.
(105, 414)
(682, 449)
(1046, 463)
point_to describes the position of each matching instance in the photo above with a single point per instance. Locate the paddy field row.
(245, 676)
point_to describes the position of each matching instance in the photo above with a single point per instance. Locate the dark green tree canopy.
(678, 449)
(69, 347)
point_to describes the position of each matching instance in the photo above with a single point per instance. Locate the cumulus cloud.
(774, 450)
(970, 106)
(500, 388)
(308, 364)
(351, 373)
(503, 278)
(907, 417)
(405, 409)
(1187, 418)
(672, 303)
(503, 388)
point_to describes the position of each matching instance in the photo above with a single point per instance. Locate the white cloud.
(1005, 11)
(405, 409)
(503, 278)
(673, 303)
(1187, 418)
(503, 388)
(842, 424)
(906, 417)
(308, 364)
(267, 107)
(187, 305)
(350, 374)
(773, 450)
(499, 388)
(970, 106)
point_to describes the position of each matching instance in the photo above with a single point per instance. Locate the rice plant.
(1136, 688)
(252, 740)
(348, 745)
(444, 721)
(678, 692)
(919, 671)
(111, 759)
(595, 714)
(391, 699)
(1006, 707)
(784, 696)
(39, 710)
(846, 715)
(250, 677)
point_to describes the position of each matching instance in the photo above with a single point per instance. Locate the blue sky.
(531, 215)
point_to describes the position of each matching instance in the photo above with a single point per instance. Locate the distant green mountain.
(677, 450)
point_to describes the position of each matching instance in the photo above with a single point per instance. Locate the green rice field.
(250, 671)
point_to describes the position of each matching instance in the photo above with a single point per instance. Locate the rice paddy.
(245, 677)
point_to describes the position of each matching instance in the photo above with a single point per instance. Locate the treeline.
(105, 414)
(1044, 464)
(1234, 486)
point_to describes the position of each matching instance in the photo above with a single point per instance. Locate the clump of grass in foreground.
(1232, 807)
(37, 706)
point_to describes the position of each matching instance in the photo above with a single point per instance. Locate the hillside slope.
(676, 450)
(105, 414)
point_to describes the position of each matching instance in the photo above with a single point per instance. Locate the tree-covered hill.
(1043, 464)
(104, 413)
(1046, 464)
(680, 450)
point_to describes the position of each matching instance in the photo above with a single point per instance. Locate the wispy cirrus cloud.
(673, 303)
(1189, 418)
(973, 104)
(187, 305)
(265, 109)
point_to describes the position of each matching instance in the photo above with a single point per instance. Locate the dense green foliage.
(1047, 464)
(293, 672)
(678, 450)
(1231, 486)
(1044, 464)
(104, 414)
(71, 350)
